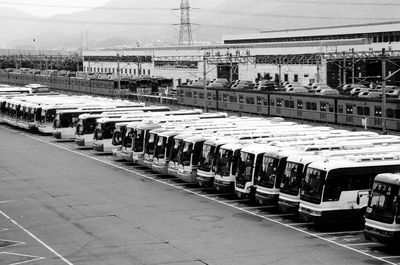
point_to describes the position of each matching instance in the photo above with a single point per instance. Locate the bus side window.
(196, 153)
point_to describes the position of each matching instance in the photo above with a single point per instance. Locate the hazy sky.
(46, 8)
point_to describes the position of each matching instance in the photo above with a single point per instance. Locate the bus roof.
(389, 178)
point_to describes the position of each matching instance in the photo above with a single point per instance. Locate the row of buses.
(320, 174)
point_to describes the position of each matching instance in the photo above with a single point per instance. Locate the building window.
(286, 77)
(148, 72)
(296, 78)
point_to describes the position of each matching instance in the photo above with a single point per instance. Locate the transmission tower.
(185, 32)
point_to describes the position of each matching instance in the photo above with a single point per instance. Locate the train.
(341, 110)
(144, 88)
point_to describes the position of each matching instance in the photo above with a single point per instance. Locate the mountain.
(14, 24)
(133, 22)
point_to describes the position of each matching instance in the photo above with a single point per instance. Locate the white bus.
(382, 217)
(296, 168)
(336, 191)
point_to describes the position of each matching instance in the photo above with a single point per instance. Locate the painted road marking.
(217, 201)
(36, 238)
(9, 243)
(30, 258)
(340, 232)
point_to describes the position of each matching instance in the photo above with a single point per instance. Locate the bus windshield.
(267, 176)
(224, 163)
(207, 158)
(291, 179)
(382, 203)
(150, 143)
(117, 138)
(127, 140)
(245, 167)
(98, 132)
(186, 153)
(176, 150)
(48, 116)
(159, 151)
(313, 184)
(138, 141)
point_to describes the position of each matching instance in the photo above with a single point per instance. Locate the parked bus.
(66, 120)
(382, 217)
(274, 162)
(296, 168)
(335, 191)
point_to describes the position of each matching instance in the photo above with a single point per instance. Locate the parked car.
(297, 89)
(326, 91)
(370, 94)
(356, 90)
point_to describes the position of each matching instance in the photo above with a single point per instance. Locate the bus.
(66, 120)
(335, 191)
(117, 138)
(86, 124)
(382, 217)
(296, 169)
(103, 139)
(274, 162)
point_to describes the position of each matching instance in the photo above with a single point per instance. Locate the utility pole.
(280, 71)
(230, 69)
(318, 68)
(383, 91)
(185, 26)
(205, 84)
(119, 76)
(352, 66)
(344, 69)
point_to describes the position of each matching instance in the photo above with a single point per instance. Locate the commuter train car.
(332, 109)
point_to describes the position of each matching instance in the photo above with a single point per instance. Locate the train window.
(209, 96)
(279, 102)
(182, 93)
(286, 103)
(299, 104)
(201, 95)
(250, 100)
(259, 100)
(188, 94)
(311, 106)
(194, 94)
(396, 114)
(232, 99)
(219, 97)
(378, 111)
(363, 111)
(331, 109)
(340, 108)
(240, 99)
(272, 103)
(225, 96)
(265, 102)
(389, 113)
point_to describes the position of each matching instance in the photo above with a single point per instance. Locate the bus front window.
(176, 151)
(267, 176)
(98, 133)
(159, 151)
(224, 163)
(138, 141)
(313, 184)
(150, 143)
(382, 203)
(117, 138)
(186, 154)
(206, 158)
(245, 168)
(291, 179)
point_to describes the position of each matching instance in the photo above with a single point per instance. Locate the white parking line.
(217, 201)
(34, 258)
(36, 238)
(339, 232)
(363, 244)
